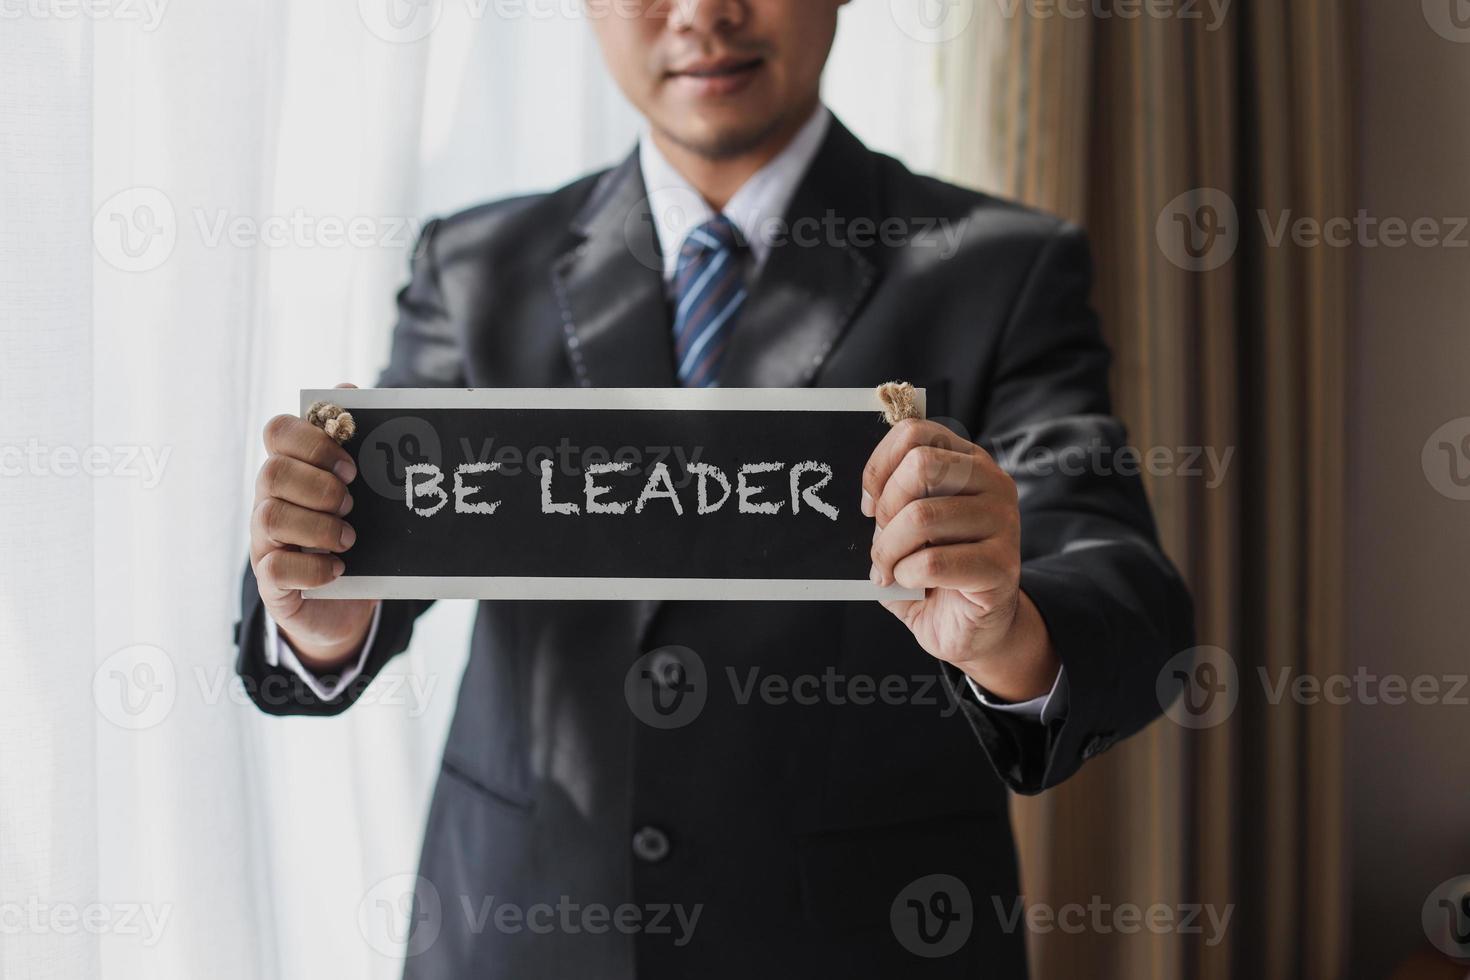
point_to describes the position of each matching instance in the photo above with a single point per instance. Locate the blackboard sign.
(609, 493)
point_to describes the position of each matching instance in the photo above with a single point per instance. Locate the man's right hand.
(301, 498)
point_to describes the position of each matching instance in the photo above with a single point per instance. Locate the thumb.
(346, 384)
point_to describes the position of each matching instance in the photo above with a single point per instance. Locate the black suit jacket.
(793, 828)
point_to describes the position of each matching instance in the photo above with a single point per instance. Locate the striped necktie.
(709, 288)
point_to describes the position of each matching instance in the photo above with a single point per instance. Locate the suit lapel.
(809, 290)
(609, 282)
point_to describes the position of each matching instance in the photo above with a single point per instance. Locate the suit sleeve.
(426, 353)
(1114, 605)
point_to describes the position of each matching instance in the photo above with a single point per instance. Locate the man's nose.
(708, 16)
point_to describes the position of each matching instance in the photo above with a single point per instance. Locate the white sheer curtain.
(206, 207)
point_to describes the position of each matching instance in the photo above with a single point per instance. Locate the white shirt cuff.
(278, 653)
(1044, 709)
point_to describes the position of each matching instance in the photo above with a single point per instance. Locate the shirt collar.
(678, 208)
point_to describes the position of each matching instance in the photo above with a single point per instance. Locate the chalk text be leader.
(425, 495)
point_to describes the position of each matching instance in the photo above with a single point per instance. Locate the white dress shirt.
(757, 209)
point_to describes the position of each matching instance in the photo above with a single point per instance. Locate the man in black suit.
(752, 241)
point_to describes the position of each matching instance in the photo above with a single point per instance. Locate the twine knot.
(333, 420)
(900, 401)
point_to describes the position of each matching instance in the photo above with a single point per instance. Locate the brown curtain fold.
(1107, 120)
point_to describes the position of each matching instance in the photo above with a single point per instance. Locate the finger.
(286, 435)
(281, 524)
(933, 521)
(346, 384)
(974, 567)
(928, 471)
(281, 573)
(903, 437)
(301, 483)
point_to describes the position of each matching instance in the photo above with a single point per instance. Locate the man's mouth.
(718, 76)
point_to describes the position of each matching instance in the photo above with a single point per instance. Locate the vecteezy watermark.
(1099, 458)
(933, 916)
(412, 692)
(833, 688)
(147, 14)
(409, 21)
(680, 206)
(1200, 230)
(1201, 687)
(1446, 459)
(1211, 12)
(404, 915)
(387, 453)
(932, 21)
(137, 229)
(1125, 918)
(1446, 917)
(401, 916)
(34, 458)
(1450, 19)
(35, 917)
(1364, 687)
(1364, 230)
(135, 687)
(667, 688)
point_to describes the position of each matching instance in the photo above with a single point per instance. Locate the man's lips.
(722, 76)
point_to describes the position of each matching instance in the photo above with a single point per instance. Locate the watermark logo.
(1199, 687)
(1446, 459)
(143, 922)
(667, 688)
(401, 916)
(135, 230)
(390, 449)
(1212, 13)
(1446, 917)
(143, 463)
(1199, 230)
(135, 688)
(400, 21)
(147, 14)
(673, 207)
(1105, 918)
(1450, 19)
(932, 21)
(933, 916)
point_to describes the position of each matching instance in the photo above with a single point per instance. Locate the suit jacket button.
(651, 845)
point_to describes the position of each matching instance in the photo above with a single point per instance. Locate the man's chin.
(721, 139)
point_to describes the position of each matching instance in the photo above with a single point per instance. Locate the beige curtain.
(1106, 120)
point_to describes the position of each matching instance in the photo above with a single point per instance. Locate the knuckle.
(270, 567)
(870, 474)
(928, 468)
(278, 428)
(328, 531)
(934, 563)
(272, 474)
(269, 514)
(925, 512)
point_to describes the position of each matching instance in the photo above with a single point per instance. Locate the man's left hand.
(949, 522)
